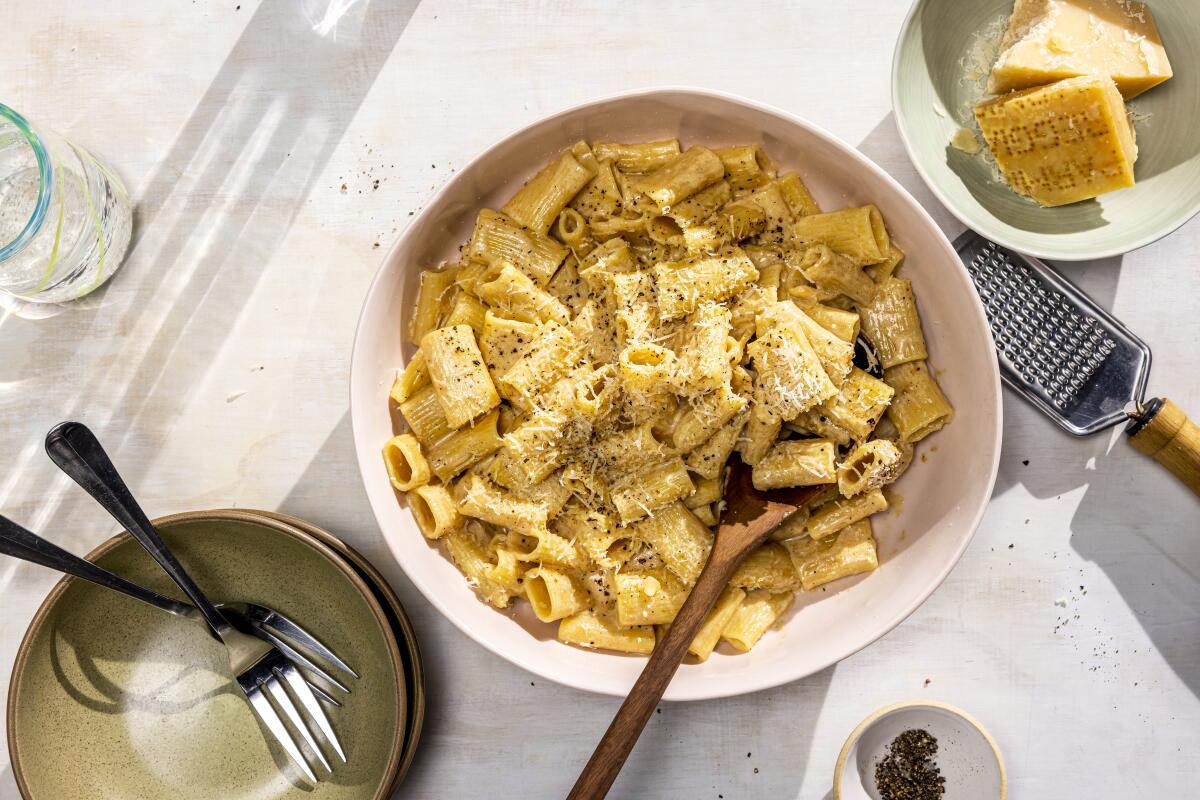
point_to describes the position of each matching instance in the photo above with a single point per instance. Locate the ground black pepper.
(908, 771)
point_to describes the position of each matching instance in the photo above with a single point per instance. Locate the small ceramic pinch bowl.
(967, 755)
(111, 698)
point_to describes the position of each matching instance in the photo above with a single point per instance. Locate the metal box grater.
(1057, 348)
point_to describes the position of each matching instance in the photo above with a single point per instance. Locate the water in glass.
(65, 218)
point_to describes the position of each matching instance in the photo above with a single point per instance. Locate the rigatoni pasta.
(538, 203)
(799, 462)
(461, 382)
(499, 239)
(920, 408)
(407, 467)
(630, 319)
(857, 233)
(464, 447)
(892, 323)
(757, 613)
(554, 594)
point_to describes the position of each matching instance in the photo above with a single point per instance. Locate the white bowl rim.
(1053, 254)
(726, 688)
(875, 716)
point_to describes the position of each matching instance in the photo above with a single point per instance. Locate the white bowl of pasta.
(579, 512)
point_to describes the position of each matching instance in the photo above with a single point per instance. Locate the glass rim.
(34, 223)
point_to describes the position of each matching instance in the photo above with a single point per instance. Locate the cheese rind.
(1061, 143)
(1050, 40)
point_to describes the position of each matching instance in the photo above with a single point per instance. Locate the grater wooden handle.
(1166, 434)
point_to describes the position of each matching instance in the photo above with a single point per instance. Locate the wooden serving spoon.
(749, 518)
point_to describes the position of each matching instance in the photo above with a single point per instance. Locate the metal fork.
(260, 667)
(26, 545)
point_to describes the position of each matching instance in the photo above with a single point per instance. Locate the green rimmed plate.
(110, 698)
(932, 98)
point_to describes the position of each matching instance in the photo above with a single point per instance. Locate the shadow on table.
(726, 729)
(333, 474)
(757, 745)
(1134, 521)
(208, 221)
(1152, 552)
(1140, 526)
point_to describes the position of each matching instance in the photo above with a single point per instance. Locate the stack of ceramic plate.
(112, 698)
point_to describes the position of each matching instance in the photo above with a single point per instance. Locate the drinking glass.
(65, 218)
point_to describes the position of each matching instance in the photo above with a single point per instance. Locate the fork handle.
(26, 545)
(77, 452)
(1165, 433)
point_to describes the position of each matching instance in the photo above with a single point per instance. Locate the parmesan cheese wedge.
(1061, 143)
(1049, 40)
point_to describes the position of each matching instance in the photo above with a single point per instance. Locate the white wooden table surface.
(275, 149)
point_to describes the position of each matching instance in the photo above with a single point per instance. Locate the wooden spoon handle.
(1166, 434)
(622, 734)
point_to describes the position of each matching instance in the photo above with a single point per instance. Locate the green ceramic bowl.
(932, 99)
(113, 699)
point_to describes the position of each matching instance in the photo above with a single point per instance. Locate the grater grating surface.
(1056, 347)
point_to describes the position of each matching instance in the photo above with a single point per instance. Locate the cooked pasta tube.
(837, 514)
(799, 462)
(406, 466)
(892, 324)
(536, 205)
(756, 615)
(682, 177)
(818, 562)
(919, 407)
(587, 629)
(857, 233)
(554, 594)
(499, 239)
(413, 377)
(641, 157)
(434, 510)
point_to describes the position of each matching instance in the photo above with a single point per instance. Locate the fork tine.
(262, 707)
(309, 701)
(293, 714)
(287, 627)
(322, 695)
(294, 655)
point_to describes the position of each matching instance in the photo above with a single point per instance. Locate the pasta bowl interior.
(935, 506)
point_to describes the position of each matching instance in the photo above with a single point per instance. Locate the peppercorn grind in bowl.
(920, 750)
